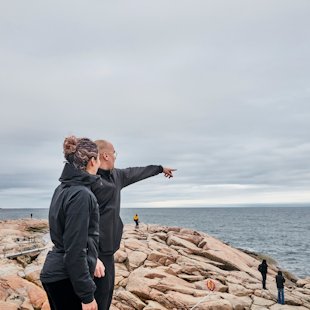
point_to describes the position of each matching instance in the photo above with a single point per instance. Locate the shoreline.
(215, 206)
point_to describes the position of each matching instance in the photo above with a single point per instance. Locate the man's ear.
(103, 156)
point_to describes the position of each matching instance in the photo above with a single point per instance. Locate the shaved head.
(107, 154)
(103, 145)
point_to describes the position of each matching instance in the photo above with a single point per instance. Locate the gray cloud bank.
(219, 90)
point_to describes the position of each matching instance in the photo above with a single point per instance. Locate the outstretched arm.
(134, 174)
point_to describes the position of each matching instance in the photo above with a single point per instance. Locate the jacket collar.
(73, 176)
(104, 173)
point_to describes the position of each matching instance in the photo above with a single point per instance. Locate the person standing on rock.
(136, 220)
(69, 268)
(108, 193)
(280, 286)
(263, 269)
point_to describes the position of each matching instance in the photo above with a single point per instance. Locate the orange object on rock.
(210, 285)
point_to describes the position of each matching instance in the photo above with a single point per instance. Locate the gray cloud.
(218, 90)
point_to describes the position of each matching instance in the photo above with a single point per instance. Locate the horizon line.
(233, 205)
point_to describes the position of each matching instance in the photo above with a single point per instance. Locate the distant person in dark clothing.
(69, 269)
(280, 285)
(136, 220)
(108, 193)
(31, 215)
(263, 269)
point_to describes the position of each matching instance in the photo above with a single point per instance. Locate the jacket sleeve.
(134, 174)
(75, 239)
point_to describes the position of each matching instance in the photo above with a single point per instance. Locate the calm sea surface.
(280, 232)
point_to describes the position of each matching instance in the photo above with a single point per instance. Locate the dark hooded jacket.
(280, 280)
(74, 230)
(108, 193)
(263, 267)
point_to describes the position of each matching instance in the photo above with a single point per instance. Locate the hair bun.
(79, 151)
(70, 145)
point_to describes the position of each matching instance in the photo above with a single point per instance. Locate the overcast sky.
(216, 89)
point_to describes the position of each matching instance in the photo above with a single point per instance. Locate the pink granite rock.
(157, 268)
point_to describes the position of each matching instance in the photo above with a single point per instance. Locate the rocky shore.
(157, 268)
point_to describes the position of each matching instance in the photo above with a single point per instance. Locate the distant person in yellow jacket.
(136, 220)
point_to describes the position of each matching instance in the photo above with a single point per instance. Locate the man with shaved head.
(108, 193)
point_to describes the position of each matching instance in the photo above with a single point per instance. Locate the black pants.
(61, 295)
(264, 275)
(105, 285)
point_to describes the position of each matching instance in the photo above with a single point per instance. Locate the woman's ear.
(93, 161)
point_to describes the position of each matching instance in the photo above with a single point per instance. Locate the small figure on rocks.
(31, 215)
(280, 285)
(263, 269)
(136, 220)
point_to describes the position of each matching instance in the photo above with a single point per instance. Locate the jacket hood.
(73, 176)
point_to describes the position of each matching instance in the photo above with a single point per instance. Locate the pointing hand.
(168, 172)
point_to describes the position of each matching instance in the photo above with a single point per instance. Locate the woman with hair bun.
(69, 268)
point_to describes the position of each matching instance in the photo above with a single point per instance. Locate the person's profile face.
(108, 157)
(112, 156)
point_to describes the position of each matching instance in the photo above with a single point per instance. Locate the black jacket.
(280, 281)
(108, 193)
(263, 268)
(74, 230)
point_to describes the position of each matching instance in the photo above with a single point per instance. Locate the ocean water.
(280, 232)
